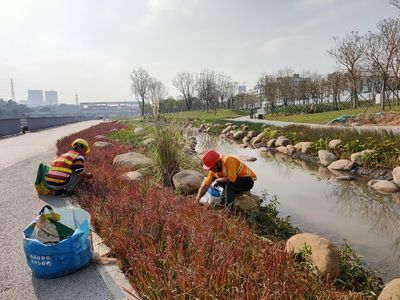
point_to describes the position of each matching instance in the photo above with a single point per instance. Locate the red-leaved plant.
(170, 247)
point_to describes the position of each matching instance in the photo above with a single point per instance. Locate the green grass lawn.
(324, 117)
(213, 115)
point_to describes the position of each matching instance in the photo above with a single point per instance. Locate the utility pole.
(12, 90)
(76, 99)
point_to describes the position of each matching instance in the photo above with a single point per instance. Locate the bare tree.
(223, 87)
(269, 89)
(185, 82)
(157, 93)
(395, 3)
(140, 86)
(335, 82)
(381, 50)
(285, 87)
(207, 88)
(349, 52)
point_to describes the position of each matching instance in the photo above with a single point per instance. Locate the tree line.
(367, 63)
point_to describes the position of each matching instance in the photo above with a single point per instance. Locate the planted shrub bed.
(170, 247)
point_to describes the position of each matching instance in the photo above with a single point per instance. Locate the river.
(320, 204)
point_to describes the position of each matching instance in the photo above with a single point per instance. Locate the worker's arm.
(202, 191)
(205, 185)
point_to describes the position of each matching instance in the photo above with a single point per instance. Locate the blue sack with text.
(72, 253)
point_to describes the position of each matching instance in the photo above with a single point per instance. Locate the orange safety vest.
(241, 171)
(60, 169)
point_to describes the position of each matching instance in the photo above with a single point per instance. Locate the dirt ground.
(389, 118)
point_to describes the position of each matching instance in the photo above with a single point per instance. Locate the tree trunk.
(383, 96)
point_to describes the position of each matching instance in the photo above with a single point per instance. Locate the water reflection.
(319, 203)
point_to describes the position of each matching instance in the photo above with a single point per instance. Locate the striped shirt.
(63, 166)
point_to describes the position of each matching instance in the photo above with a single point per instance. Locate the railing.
(9, 126)
(13, 126)
(35, 123)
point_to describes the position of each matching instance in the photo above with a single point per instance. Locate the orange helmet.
(210, 158)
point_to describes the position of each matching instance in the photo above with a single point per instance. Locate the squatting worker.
(67, 170)
(226, 171)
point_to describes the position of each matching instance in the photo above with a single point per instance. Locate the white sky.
(91, 46)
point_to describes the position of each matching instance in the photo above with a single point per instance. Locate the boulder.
(271, 143)
(396, 175)
(263, 149)
(290, 149)
(306, 147)
(245, 128)
(326, 157)
(245, 202)
(133, 161)
(100, 137)
(251, 134)
(334, 143)
(102, 145)
(112, 130)
(133, 175)
(234, 127)
(324, 255)
(148, 141)
(282, 149)
(391, 290)
(303, 146)
(228, 124)
(298, 146)
(341, 165)
(238, 135)
(358, 156)
(383, 186)
(188, 181)
(247, 158)
(282, 141)
(243, 145)
(139, 130)
(246, 140)
(257, 139)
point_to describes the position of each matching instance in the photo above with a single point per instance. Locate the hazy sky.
(91, 46)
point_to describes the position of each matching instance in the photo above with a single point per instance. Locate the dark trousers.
(242, 184)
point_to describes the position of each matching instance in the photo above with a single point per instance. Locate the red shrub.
(170, 247)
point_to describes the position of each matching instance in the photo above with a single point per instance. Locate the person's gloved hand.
(214, 183)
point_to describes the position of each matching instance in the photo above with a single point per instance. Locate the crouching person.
(226, 171)
(67, 170)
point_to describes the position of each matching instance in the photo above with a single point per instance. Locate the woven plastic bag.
(72, 253)
(40, 182)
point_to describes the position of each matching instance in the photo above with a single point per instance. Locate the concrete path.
(19, 203)
(395, 129)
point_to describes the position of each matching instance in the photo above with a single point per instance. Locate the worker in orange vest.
(67, 170)
(226, 171)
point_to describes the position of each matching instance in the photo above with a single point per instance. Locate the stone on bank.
(324, 255)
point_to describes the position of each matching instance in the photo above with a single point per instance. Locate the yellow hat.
(83, 143)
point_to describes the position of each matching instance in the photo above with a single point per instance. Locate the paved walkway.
(395, 129)
(19, 203)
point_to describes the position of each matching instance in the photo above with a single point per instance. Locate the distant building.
(51, 98)
(107, 109)
(35, 98)
(23, 102)
(242, 89)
